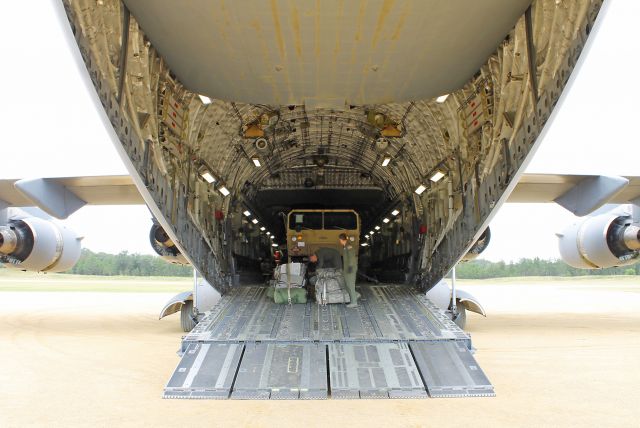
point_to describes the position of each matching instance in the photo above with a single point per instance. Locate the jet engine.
(35, 244)
(480, 245)
(164, 246)
(601, 241)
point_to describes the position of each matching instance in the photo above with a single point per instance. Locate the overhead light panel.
(254, 221)
(263, 229)
(371, 233)
(442, 98)
(437, 176)
(420, 189)
(205, 100)
(247, 213)
(385, 220)
(377, 228)
(256, 162)
(224, 191)
(208, 177)
(386, 160)
(274, 245)
(395, 212)
(364, 244)
(366, 236)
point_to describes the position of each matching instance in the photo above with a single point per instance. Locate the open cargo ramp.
(395, 344)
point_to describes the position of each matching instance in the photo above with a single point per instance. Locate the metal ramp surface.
(282, 371)
(395, 344)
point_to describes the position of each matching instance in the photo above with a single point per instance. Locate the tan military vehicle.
(308, 230)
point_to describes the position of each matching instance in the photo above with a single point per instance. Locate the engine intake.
(600, 242)
(480, 245)
(164, 246)
(35, 244)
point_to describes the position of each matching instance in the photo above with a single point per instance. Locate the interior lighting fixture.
(386, 160)
(377, 228)
(247, 213)
(442, 98)
(420, 189)
(205, 100)
(263, 229)
(256, 162)
(395, 212)
(225, 192)
(385, 220)
(208, 177)
(437, 176)
(254, 221)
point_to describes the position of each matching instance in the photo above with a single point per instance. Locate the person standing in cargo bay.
(350, 268)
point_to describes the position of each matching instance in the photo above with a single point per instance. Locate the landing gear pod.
(600, 242)
(164, 246)
(35, 244)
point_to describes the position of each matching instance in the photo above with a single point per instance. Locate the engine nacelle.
(39, 245)
(481, 244)
(164, 246)
(601, 241)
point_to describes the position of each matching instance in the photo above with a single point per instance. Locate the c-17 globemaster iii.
(416, 118)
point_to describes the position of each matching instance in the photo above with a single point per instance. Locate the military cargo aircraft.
(419, 116)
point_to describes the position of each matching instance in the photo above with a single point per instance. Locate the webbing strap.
(288, 284)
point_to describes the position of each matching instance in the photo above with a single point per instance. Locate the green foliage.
(481, 269)
(91, 263)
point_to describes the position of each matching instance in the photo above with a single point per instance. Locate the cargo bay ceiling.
(348, 74)
(284, 104)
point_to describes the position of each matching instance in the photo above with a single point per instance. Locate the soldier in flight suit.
(324, 258)
(349, 268)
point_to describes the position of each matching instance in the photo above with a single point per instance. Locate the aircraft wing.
(62, 196)
(580, 194)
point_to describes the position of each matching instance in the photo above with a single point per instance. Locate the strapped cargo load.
(290, 275)
(331, 287)
(288, 284)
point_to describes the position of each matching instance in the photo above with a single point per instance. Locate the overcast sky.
(51, 128)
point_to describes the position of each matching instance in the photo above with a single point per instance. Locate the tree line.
(91, 263)
(126, 264)
(481, 269)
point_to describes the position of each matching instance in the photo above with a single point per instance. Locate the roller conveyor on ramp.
(395, 344)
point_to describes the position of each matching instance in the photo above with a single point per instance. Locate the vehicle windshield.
(305, 220)
(340, 221)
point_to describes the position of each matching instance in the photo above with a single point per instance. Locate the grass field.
(590, 279)
(12, 280)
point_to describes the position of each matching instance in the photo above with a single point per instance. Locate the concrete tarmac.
(559, 353)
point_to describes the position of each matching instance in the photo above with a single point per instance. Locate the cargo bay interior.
(418, 115)
(417, 106)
